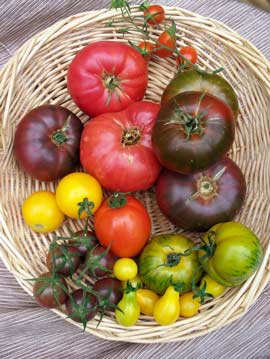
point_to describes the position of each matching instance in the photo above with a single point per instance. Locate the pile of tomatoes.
(179, 146)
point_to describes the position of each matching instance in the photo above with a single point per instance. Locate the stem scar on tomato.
(59, 137)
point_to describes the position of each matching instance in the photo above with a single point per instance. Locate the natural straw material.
(37, 75)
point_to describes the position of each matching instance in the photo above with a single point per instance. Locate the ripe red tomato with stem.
(166, 42)
(146, 49)
(154, 14)
(190, 53)
(107, 76)
(122, 223)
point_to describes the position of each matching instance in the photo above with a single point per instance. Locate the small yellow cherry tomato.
(125, 269)
(41, 213)
(189, 306)
(147, 300)
(167, 308)
(73, 189)
(135, 282)
(212, 287)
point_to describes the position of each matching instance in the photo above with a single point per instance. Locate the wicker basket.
(37, 74)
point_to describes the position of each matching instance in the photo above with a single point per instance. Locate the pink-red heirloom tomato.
(193, 131)
(107, 76)
(122, 223)
(47, 142)
(116, 148)
(198, 201)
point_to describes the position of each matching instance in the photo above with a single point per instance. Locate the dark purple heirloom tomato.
(198, 201)
(109, 291)
(50, 291)
(100, 262)
(82, 306)
(47, 142)
(193, 131)
(66, 261)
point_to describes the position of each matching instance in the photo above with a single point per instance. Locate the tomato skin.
(107, 76)
(236, 256)
(167, 308)
(73, 188)
(38, 148)
(198, 201)
(90, 304)
(147, 300)
(183, 153)
(98, 258)
(212, 286)
(167, 40)
(109, 291)
(189, 305)
(41, 213)
(190, 54)
(125, 269)
(157, 14)
(117, 148)
(46, 298)
(147, 49)
(63, 265)
(158, 266)
(130, 310)
(129, 227)
(213, 84)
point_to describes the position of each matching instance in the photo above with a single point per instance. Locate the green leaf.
(172, 29)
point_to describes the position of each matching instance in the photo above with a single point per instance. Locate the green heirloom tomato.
(162, 263)
(209, 83)
(231, 253)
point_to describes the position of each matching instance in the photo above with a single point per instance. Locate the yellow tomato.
(189, 306)
(41, 213)
(146, 299)
(125, 269)
(167, 308)
(212, 287)
(76, 188)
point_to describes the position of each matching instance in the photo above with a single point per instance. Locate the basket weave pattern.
(37, 75)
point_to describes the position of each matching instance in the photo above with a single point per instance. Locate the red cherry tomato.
(122, 223)
(154, 14)
(146, 49)
(190, 54)
(168, 39)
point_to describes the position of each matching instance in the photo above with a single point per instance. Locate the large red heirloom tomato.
(122, 223)
(193, 130)
(198, 201)
(47, 142)
(107, 76)
(116, 148)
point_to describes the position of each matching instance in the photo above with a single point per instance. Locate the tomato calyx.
(144, 6)
(111, 82)
(117, 200)
(171, 30)
(173, 259)
(59, 137)
(131, 136)
(85, 206)
(200, 292)
(130, 289)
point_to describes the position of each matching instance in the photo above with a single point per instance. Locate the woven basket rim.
(53, 32)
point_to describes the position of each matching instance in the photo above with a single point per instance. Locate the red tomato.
(167, 38)
(116, 148)
(154, 14)
(107, 76)
(146, 49)
(123, 223)
(190, 53)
